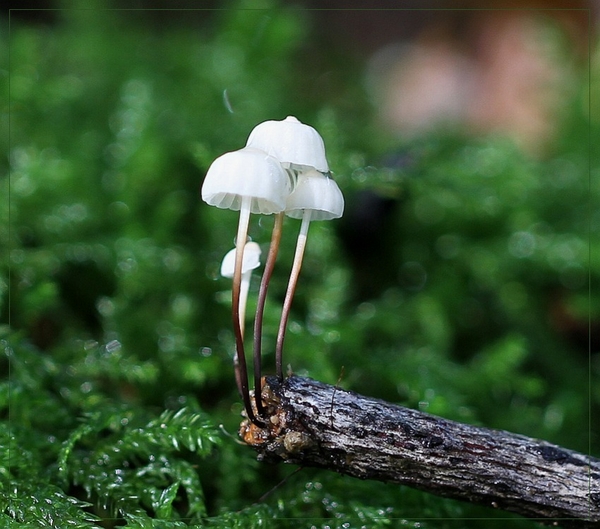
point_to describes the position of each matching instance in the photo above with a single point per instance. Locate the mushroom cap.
(250, 261)
(293, 143)
(247, 172)
(317, 192)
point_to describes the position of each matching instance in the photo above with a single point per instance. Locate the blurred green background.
(460, 280)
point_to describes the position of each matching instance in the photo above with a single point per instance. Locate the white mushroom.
(247, 180)
(298, 147)
(316, 197)
(282, 167)
(318, 193)
(250, 262)
(294, 144)
(251, 181)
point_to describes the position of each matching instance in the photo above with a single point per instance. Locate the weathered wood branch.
(318, 425)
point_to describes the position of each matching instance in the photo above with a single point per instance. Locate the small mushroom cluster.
(282, 170)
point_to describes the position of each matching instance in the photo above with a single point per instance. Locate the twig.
(371, 439)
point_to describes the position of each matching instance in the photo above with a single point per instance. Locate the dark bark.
(318, 425)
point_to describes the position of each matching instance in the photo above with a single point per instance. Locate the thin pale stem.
(289, 295)
(244, 287)
(241, 371)
(260, 309)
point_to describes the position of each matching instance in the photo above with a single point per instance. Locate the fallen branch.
(318, 425)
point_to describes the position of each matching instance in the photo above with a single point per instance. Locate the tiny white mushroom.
(247, 180)
(251, 261)
(251, 181)
(318, 193)
(296, 145)
(316, 197)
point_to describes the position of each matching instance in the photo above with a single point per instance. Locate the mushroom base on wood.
(310, 423)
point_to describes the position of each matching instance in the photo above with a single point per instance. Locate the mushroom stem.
(260, 308)
(289, 295)
(244, 287)
(241, 371)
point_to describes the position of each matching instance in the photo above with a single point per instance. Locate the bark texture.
(315, 424)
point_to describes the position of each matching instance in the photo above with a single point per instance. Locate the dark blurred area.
(488, 66)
